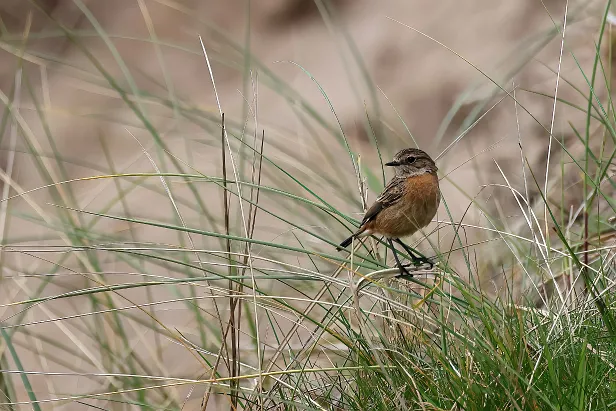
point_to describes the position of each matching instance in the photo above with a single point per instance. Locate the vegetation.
(177, 283)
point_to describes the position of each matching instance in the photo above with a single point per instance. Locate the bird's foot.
(404, 273)
(419, 261)
(426, 260)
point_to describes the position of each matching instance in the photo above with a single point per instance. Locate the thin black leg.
(403, 271)
(416, 259)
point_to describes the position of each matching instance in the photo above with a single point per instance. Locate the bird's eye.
(410, 160)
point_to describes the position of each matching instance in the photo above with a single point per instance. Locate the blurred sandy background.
(512, 42)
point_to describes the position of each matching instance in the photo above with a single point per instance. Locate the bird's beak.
(392, 164)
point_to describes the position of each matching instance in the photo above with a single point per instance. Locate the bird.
(407, 204)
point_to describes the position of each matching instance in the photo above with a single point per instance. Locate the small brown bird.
(408, 203)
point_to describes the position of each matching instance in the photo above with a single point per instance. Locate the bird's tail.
(346, 242)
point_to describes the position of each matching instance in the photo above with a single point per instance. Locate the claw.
(420, 261)
(404, 272)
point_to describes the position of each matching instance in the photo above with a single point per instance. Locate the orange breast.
(413, 211)
(421, 186)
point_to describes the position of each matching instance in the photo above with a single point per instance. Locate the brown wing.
(390, 195)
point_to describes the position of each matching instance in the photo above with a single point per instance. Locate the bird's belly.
(410, 215)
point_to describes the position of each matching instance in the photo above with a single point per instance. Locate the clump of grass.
(236, 297)
(545, 350)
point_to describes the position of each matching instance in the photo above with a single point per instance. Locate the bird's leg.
(403, 271)
(417, 260)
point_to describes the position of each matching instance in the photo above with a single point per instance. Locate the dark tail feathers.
(345, 243)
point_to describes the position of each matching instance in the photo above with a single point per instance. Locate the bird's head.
(411, 162)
